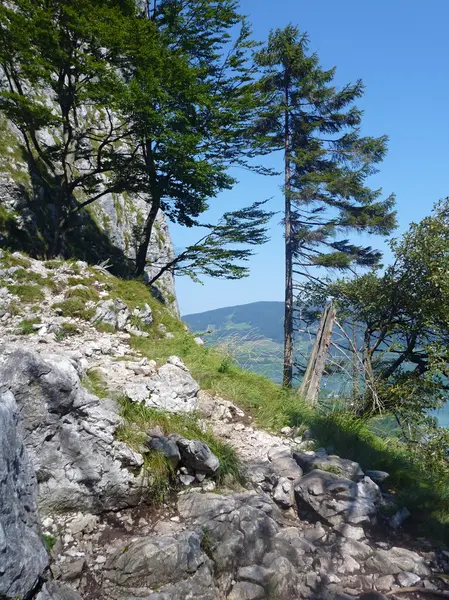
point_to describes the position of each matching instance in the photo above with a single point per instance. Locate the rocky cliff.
(118, 472)
(106, 231)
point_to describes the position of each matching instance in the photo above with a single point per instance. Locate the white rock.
(407, 579)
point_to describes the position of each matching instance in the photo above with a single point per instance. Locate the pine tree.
(326, 164)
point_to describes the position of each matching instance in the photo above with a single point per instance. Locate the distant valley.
(253, 333)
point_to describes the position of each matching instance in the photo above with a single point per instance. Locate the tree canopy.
(403, 312)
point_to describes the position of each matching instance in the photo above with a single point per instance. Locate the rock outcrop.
(69, 435)
(301, 524)
(23, 558)
(106, 232)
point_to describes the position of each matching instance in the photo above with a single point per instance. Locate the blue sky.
(401, 51)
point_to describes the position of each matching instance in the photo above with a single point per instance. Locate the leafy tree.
(214, 254)
(195, 125)
(59, 85)
(326, 163)
(403, 312)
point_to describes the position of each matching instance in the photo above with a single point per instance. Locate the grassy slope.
(422, 488)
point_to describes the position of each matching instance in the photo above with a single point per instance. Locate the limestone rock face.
(106, 232)
(23, 557)
(337, 499)
(175, 565)
(172, 388)
(69, 435)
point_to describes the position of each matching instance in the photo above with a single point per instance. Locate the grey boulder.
(23, 557)
(197, 456)
(55, 591)
(331, 463)
(337, 499)
(167, 447)
(172, 388)
(174, 565)
(112, 312)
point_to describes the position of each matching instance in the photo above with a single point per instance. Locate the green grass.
(26, 326)
(67, 330)
(75, 307)
(82, 293)
(268, 403)
(136, 294)
(27, 276)
(139, 419)
(49, 542)
(27, 293)
(8, 260)
(78, 280)
(95, 383)
(105, 327)
(53, 264)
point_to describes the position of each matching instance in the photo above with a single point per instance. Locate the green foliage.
(58, 49)
(49, 542)
(105, 327)
(26, 325)
(95, 383)
(216, 254)
(191, 107)
(136, 294)
(75, 307)
(318, 126)
(78, 280)
(11, 260)
(66, 330)
(26, 275)
(403, 312)
(83, 293)
(326, 165)
(28, 294)
(53, 264)
(139, 419)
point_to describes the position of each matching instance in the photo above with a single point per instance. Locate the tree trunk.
(288, 315)
(311, 383)
(142, 251)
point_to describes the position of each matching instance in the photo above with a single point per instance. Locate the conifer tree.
(326, 164)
